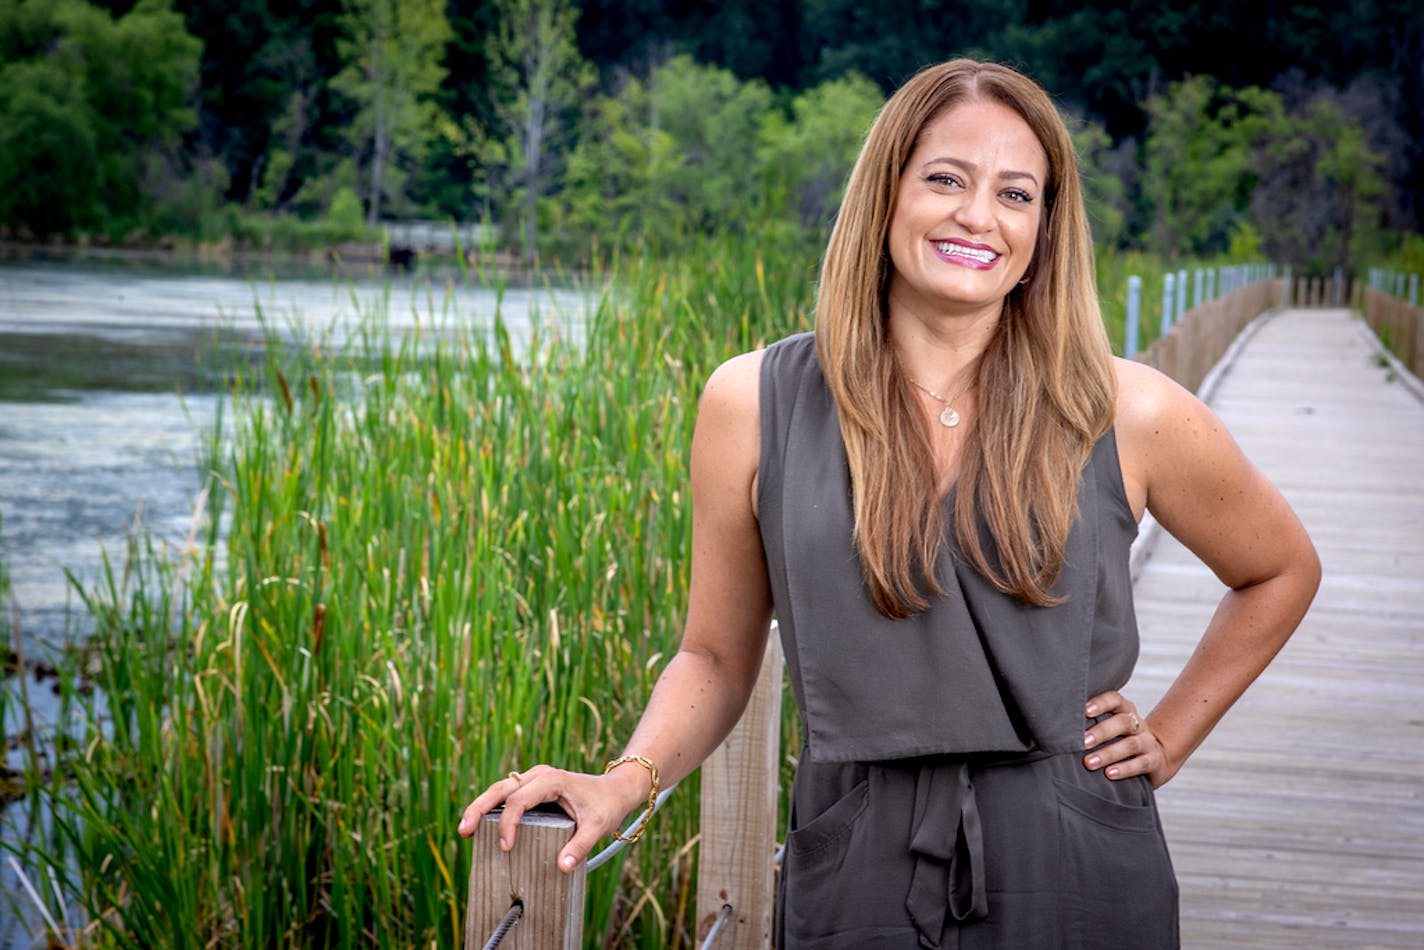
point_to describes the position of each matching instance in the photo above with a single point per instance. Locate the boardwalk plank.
(1300, 821)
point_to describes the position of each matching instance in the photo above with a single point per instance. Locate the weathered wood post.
(738, 821)
(552, 916)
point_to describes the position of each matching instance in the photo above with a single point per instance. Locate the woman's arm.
(1181, 464)
(701, 694)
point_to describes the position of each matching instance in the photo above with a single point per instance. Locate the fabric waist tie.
(947, 840)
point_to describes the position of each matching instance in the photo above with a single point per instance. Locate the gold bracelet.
(646, 763)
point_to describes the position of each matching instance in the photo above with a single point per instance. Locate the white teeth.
(949, 247)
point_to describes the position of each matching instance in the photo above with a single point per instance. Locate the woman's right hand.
(596, 803)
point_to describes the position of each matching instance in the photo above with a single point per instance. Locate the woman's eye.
(1022, 197)
(941, 178)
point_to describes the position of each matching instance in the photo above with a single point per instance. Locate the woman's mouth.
(982, 256)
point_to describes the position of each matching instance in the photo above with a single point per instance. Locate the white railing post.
(1167, 297)
(1134, 317)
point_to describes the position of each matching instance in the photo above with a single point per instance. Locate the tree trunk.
(378, 151)
(538, 61)
(378, 162)
(534, 144)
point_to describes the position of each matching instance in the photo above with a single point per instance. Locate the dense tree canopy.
(1296, 119)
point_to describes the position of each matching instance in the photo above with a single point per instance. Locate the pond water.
(107, 384)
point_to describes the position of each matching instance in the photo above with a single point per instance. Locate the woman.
(936, 494)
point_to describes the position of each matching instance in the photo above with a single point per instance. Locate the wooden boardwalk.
(1300, 821)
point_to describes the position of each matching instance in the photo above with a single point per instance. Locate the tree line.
(1283, 129)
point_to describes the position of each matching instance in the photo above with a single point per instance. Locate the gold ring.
(1136, 724)
(518, 779)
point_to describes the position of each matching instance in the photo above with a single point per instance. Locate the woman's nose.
(975, 212)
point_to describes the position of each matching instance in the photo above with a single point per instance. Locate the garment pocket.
(838, 892)
(834, 823)
(1118, 888)
(1123, 816)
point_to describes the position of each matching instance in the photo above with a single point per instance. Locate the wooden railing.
(1199, 340)
(736, 887)
(1398, 324)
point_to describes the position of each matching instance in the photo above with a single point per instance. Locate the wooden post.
(738, 822)
(553, 901)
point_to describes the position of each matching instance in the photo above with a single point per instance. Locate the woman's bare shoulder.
(1165, 434)
(728, 420)
(1144, 395)
(736, 382)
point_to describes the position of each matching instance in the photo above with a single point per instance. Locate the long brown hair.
(1046, 383)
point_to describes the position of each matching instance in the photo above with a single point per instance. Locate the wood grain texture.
(553, 901)
(1300, 821)
(738, 819)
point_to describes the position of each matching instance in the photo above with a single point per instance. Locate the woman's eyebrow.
(973, 168)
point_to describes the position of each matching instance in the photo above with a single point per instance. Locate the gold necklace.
(948, 416)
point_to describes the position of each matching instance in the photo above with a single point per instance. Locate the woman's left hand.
(1136, 750)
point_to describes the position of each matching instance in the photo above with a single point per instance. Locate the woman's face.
(966, 218)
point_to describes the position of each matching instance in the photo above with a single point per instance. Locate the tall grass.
(443, 554)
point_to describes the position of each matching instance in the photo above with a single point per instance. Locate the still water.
(107, 384)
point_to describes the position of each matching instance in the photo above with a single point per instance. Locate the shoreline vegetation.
(424, 560)
(368, 258)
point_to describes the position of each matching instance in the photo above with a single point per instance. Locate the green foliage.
(487, 110)
(1198, 158)
(342, 220)
(190, 205)
(48, 150)
(621, 176)
(808, 156)
(86, 104)
(1245, 243)
(1407, 257)
(345, 217)
(1348, 182)
(391, 51)
(537, 80)
(277, 167)
(1306, 180)
(713, 118)
(1104, 194)
(696, 150)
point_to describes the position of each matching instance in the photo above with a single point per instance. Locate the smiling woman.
(949, 573)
